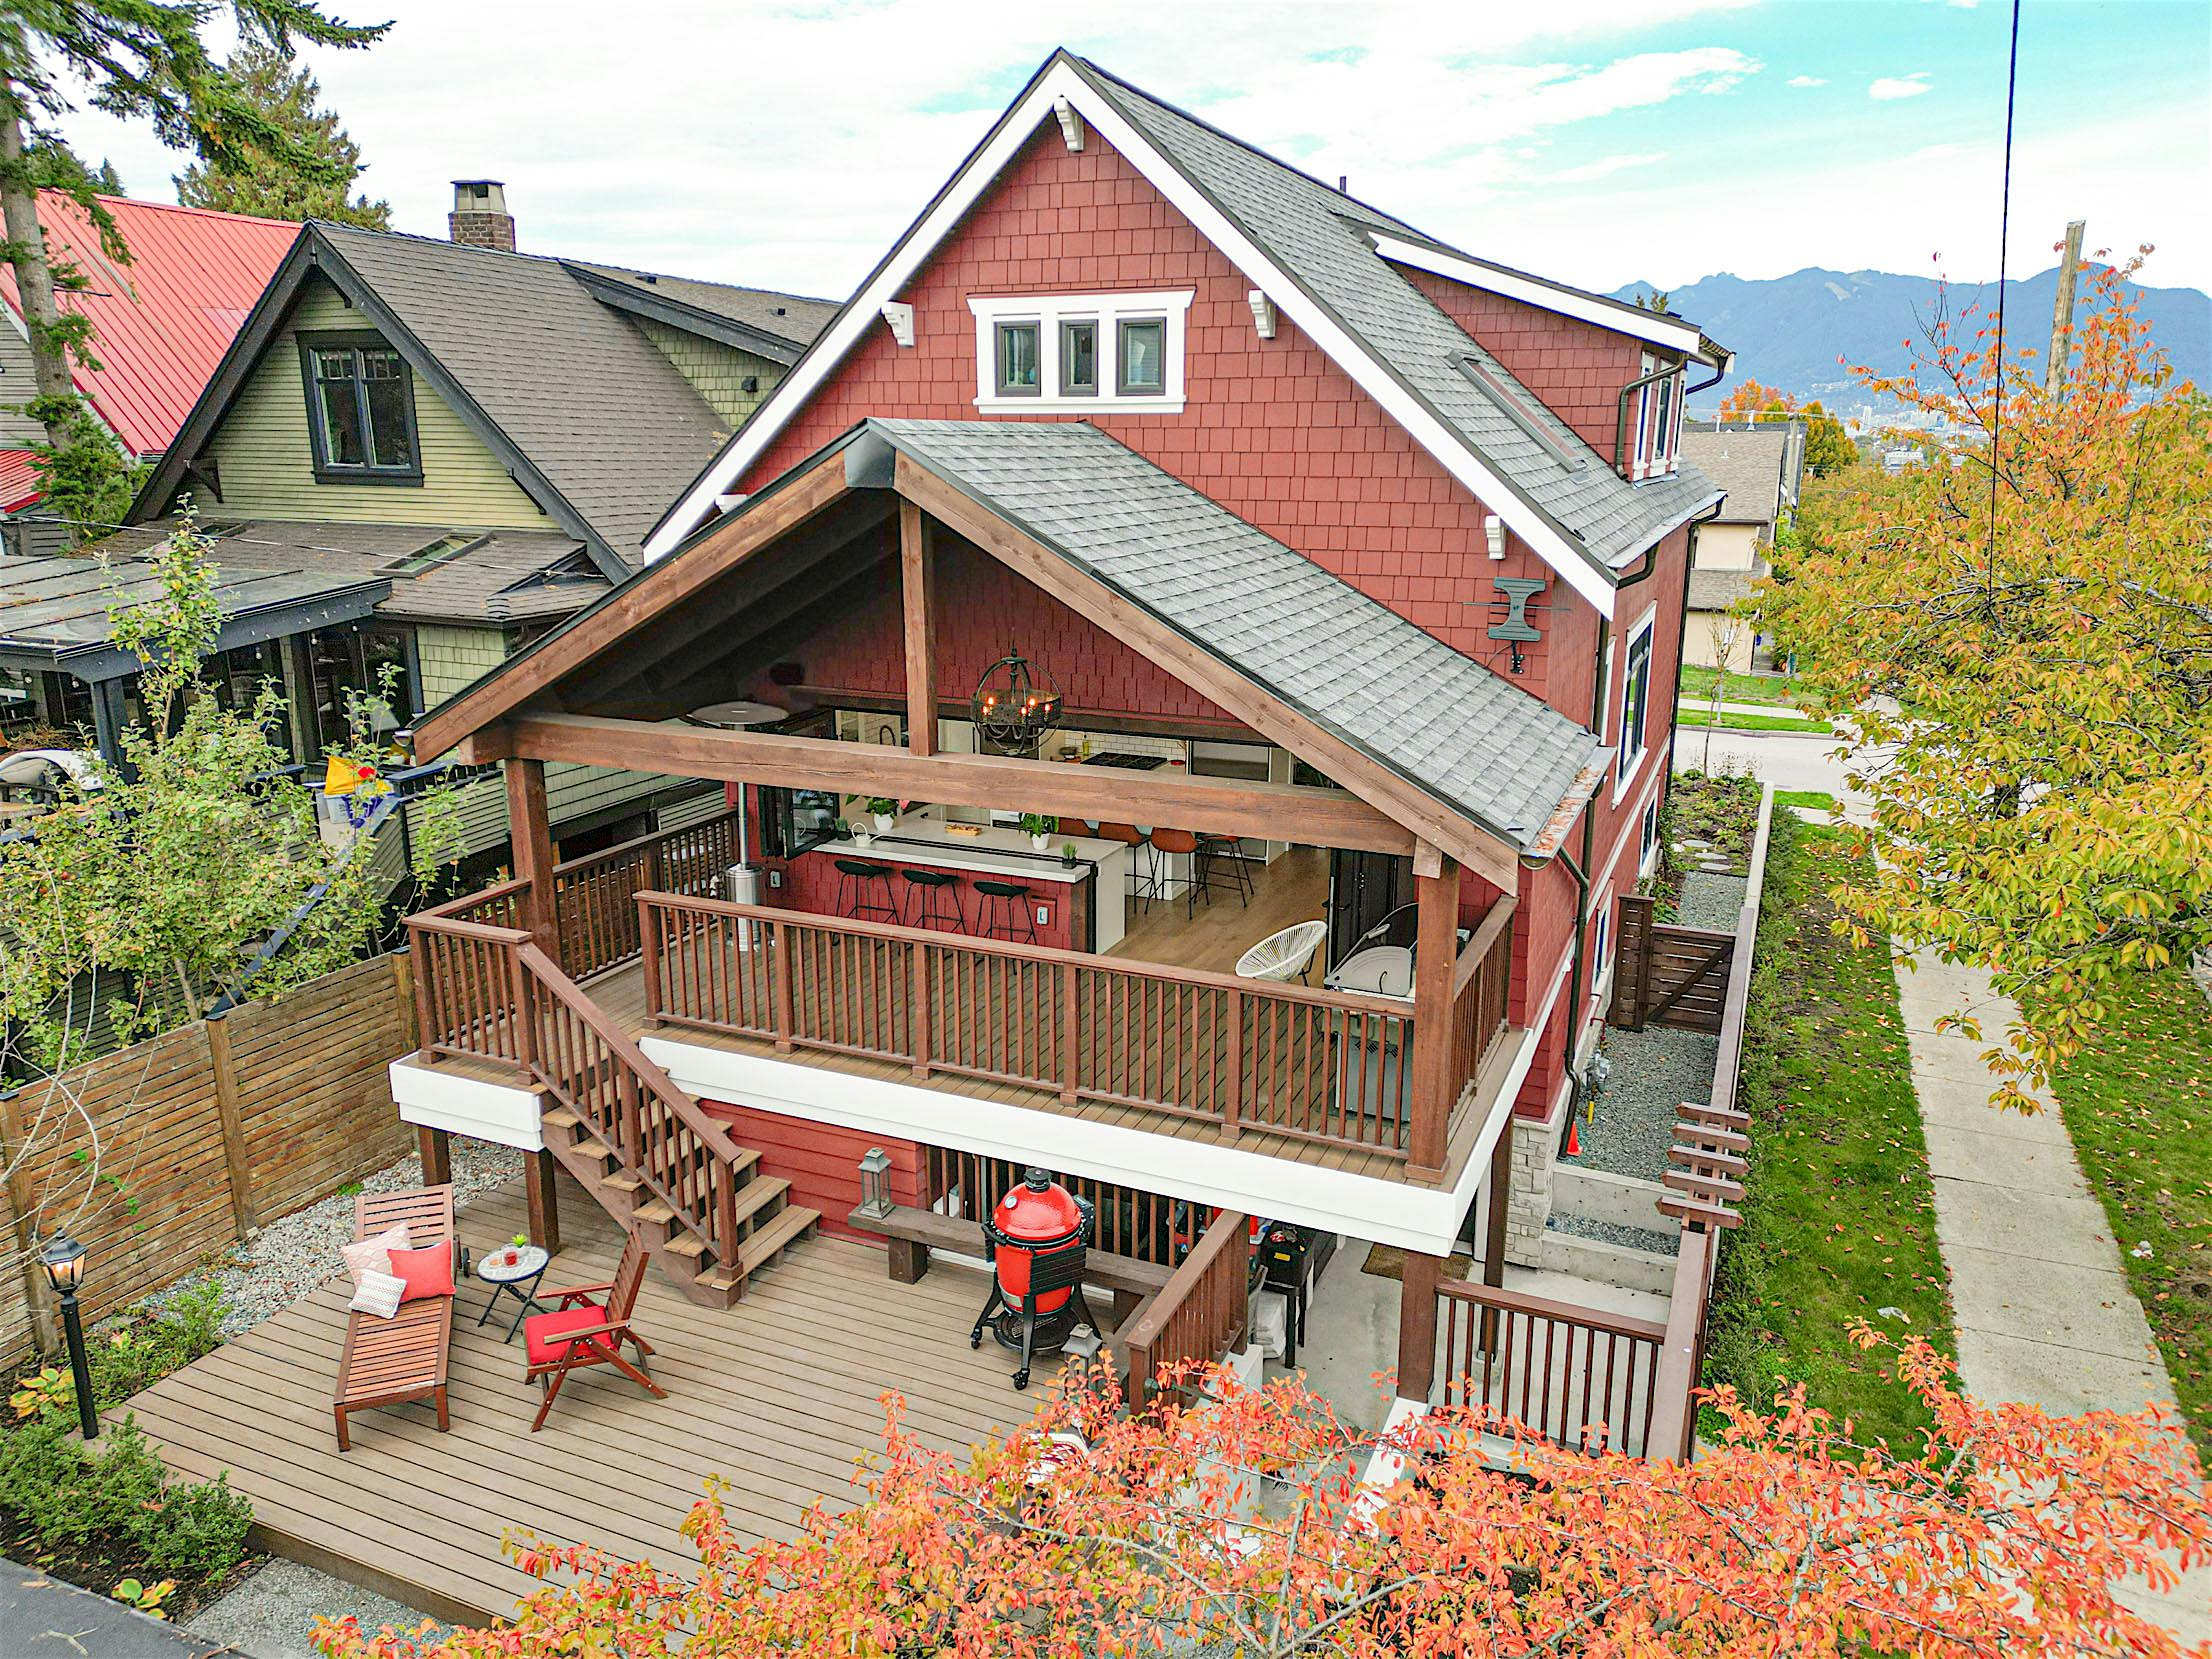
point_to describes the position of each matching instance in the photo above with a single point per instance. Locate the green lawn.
(1697, 686)
(2138, 1110)
(1818, 800)
(1839, 1213)
(1701, 715)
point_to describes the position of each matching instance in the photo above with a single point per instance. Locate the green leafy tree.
(158, 881)
(271, 185)
(2021, 632)
(1828, 448)
(139, 60)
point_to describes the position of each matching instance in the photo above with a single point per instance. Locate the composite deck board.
(779, 1394)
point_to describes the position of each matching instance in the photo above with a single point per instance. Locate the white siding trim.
(1512, 285)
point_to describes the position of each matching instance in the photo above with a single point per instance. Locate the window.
(1079, 353)
(1079, 358)
(1635, 700)
(1647, 844)
(1656, 423)
(1141, 355)
(1017, 360)
(360, 410)
(1601, 947)
(431, 555)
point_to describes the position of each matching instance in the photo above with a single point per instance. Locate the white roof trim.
(1589, 308)
(1574, 564)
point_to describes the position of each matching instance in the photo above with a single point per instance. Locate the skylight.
(431, 555)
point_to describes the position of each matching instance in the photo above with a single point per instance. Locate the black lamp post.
(63, 1258)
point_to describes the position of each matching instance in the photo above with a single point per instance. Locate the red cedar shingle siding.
(163, 321)
(821, 1161)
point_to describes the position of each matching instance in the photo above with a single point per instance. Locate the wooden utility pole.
(2062, 314)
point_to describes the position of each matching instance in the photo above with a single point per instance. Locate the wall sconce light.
(1493, 530)
(875, 1183)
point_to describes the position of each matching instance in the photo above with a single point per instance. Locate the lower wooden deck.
(780, 1395)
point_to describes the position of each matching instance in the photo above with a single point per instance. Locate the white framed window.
(1601, 949)
(1080, 353)
(1647, 837)
(1635, 723)
(1656, 424)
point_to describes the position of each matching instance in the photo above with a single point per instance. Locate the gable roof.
(1748, 465)
(593, 421)
(759, 320)
(1312, 251)
(161, 322)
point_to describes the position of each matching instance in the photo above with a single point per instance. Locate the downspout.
(1681, 638)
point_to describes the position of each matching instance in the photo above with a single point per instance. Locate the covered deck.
(780, 1395)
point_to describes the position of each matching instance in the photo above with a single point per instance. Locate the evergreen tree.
(269, 185)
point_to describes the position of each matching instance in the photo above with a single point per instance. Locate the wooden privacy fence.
(1670, 975)
(1198, 1315)
(158, 1157)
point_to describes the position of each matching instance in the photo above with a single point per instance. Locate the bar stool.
(999, 905)
(864, 889)
(1214, 851)
(930, 894)
(1176, 843)
(1144, 881)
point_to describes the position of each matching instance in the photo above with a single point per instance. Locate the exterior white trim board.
(1650, 325)
(432, 1097)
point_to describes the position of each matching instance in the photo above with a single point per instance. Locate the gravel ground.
(1654, 1072)
(270, 1615)
(1712, 901)
(1617, 1232)
(291, 1256)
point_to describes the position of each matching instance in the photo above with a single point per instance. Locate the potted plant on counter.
(1040, 826)
(885, 812)
(1067, 854)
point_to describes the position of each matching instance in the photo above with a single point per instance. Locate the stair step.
(591, 1147)
(690, 1246)
(759, 1250)
(756, 1196)
(624, 1182)
(659, 1213)
(560, 1117)
(719, 1280)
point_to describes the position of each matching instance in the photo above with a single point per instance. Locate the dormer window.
(1088, 353)
(1651, 416)
(360, 410)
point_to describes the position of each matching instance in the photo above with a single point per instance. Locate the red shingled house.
(161, 323)
(1351, 567)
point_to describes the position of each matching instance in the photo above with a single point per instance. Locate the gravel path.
(1711, 900)
(1617, 1232)
(291, 1256)
(1654, 1072)
(270, 1615)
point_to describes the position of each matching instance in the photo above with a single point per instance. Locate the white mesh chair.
(1286, 955)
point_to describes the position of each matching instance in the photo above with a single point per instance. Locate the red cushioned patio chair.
(581, 1332)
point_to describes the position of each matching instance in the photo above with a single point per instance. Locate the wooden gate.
(1669, 975)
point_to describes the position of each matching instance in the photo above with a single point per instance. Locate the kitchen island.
(1083, 904)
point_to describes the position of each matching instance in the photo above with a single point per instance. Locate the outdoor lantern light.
(1011, 707)
(875, 1183)
(63, 1258)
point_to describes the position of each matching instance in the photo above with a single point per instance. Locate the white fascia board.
(434, 1097)
(1642, 325)
(1568, 558)
(1385, 1212)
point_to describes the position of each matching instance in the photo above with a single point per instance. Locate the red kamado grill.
(1037, 1239)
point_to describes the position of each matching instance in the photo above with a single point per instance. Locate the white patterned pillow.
(374, 1255)
(379, 1293)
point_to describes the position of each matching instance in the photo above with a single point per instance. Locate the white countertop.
(993, 852)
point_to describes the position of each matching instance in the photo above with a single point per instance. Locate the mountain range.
(1790, 331)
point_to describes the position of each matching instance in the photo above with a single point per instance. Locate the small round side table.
(518, 1279)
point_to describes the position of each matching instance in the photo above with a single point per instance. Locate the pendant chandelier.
(1012, 708)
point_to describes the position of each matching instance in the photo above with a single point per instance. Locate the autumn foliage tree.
(1828, 448)
(2021, 632)
(1242, 1527)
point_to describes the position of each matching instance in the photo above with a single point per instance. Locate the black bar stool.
(930, 898)
(1000, 907)
(864, 889)
(1219, 854)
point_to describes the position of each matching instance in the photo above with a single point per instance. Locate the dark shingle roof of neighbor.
(1748, 465)
(571, 382)
(1475, 742)
(1716, 590)
(795, 317)
(65, 603)
(1323, 239)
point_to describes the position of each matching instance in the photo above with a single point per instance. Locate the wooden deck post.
(1436, 956)
(531, 836)
(1417, 1324)
(538, 1171)
(436, 1147)
(1494, 1220)
(918, 585)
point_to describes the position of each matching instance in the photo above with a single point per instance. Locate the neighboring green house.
(491, 434)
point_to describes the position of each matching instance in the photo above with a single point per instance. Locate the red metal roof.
(162, 321)
(18, 483)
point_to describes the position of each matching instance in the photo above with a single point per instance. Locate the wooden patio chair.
(388, 1362)
(581, 1332)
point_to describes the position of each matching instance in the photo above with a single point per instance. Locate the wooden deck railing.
(1579, 1378)
(466, 990)
(1482, 983)
(1147, 1226)
(1198, 1315)
(595, 897)
(1246, 1055)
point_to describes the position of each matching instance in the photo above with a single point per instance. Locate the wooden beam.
(1417, 1278)
(1199, 669)
(607, 624)
(1435, 959)
(1322, 817)
(917, 585)
(530, 834)
(541, 1200)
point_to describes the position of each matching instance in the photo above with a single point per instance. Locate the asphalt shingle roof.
(1321, 237)
(795, 317)
(1748, 465)
(1478, 744)
(571, 382)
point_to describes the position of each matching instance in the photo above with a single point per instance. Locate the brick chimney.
(480, 218)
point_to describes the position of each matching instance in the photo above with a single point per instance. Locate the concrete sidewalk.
(2044, 1311)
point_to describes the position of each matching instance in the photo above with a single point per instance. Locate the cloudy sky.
(1600, 141)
